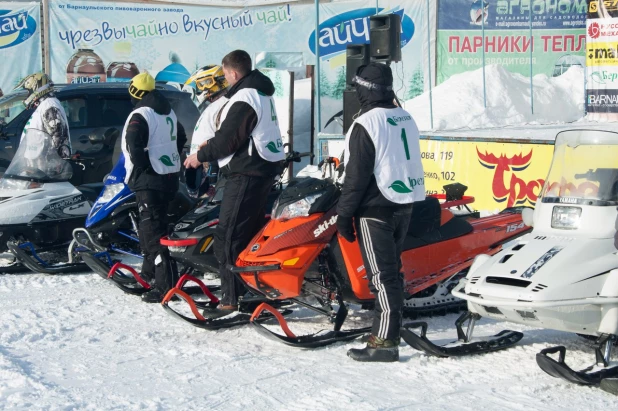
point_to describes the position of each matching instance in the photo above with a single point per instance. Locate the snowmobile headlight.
(566, 218)
(110, 192)
(299, 208)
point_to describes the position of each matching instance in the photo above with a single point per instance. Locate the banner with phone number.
(498, 175)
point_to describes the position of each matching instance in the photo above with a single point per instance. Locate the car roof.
(114, 86)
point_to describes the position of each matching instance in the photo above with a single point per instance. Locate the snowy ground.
(77, 342)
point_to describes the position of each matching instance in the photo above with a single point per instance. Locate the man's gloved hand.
(345, 226)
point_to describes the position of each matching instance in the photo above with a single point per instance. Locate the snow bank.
(458, 102)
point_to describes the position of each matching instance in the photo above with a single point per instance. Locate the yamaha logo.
(255, 248)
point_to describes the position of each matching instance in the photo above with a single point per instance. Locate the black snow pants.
(153, 224)
(381, 243)
(241, 217)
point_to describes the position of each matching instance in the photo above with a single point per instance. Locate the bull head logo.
(518, 191)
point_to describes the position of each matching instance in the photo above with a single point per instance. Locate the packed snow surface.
(458, 102)
(78, 342)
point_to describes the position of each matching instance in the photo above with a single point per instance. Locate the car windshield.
(37, 160)
(584, 169)
(11, 105)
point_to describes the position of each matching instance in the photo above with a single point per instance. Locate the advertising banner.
(112, 41)
(602, 60)
(20, 42)
(558, 35)
(498, 175)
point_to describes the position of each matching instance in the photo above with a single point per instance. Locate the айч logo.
(15, 27)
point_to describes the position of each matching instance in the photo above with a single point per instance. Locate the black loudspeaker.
(356, 56)
(351, 107)
(385, 37)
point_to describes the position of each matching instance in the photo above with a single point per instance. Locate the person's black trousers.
(241, 217)
(153, 225)
(381, 243)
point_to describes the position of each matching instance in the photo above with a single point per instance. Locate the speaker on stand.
(385, 38)
(356, 55)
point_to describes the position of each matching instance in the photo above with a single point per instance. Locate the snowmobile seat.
(425, 225)
(91, 191)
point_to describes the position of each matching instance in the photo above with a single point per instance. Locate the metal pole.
(483, 43)
(317, 62)
(531, 44)
(45, 35)
(377, 6)
(291, 124)
(429, 68)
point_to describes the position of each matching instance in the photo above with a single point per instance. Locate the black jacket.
(143, 176)
(233, 134)
(360, 193)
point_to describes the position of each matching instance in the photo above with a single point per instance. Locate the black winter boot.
(153, 296)
(377, 350)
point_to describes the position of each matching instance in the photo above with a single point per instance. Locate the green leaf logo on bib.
(167, 161)
(272, 147)
(400, 187)
(391, 122)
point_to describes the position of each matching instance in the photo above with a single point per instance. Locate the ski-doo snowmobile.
(191, 245)
(563, 275)
(299, 254)
(39, 208)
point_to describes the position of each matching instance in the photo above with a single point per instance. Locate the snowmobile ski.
(500, 341)
(610, 385)
(560, 369)
(231, 320)
(27, 254)
(319, 339)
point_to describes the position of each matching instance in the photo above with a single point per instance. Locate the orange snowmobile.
(299, 254)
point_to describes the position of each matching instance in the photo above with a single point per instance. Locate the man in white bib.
(249, 151)
(211, 86)
(383, 177)
(49, 115)
(152, 141)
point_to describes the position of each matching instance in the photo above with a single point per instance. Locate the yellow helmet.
(209, 80)
(140, 85)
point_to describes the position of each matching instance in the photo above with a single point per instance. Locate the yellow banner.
(602, 54)
(498, 175)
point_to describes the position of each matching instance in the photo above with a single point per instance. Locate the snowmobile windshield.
(37, 160)
(11, 105)
(584, 169)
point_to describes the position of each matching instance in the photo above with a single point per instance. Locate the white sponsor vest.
(398, 169)
(266, 135)
(162, 148)
(206, 126)
(36, 119)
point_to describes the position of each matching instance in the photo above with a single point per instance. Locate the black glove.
(345, 226)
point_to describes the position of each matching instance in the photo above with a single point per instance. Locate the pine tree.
(325, 85)
(417, 85)
(339, 85)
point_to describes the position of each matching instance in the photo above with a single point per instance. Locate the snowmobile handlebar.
(295, 156)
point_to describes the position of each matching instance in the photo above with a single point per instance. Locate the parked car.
(97, 113)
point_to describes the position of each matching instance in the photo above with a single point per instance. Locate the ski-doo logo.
(325, 226)
(15, 27)
(352, 27)
(255, 248)
(519, 191)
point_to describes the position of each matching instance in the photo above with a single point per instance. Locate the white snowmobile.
(563, 275)
(39, 208)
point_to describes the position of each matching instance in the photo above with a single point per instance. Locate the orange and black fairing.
(282, 252)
